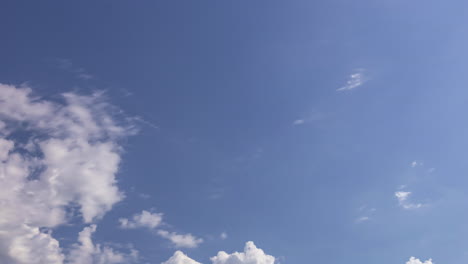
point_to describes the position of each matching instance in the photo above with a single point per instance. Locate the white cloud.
(366, 213)
(28, 245)
(69, 159)
(311, 117)
(355, 80)
(223, 236)
(402, 197)
(414, 260)
(86, 252)
(251, 255)
(181, 240)
(416, 164)
(143, 219)
(362, 219)
(149, 220)
(298, 122)
(180, 258)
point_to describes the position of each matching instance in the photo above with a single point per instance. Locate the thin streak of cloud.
(362, 219)
(355, 80)
(312, 117)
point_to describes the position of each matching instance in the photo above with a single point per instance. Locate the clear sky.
(168, 131)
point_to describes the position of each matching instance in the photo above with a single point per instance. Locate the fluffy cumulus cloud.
(181, 240)
(251, 255)
(143, 219)
(414, 260)
(180, 258)
(58, 164)
(54, 155)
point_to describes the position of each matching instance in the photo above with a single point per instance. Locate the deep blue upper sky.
(243, 129)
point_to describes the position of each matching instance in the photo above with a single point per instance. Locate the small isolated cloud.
(362, 219)
(416, 164)
(414, 260)
(251, 255)
(86, 252)
(355, 80)
(144, 196)
(366, 213)
(223, 236)
(143, 219)
(314, 116)
(431, 170)
(298, 122)
(403, 201)
(181, 240)
(180, 258)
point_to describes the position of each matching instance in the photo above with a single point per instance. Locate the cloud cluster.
(251, 255)
(414, 260)
(58, 160)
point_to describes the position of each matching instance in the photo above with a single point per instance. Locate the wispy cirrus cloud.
(355, 80)
(79, 72)
(365, 214)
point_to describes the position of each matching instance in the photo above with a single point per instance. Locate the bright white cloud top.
(180, 258)
(251, 255)
(414, 260)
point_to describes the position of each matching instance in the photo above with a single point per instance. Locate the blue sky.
(323, 131)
